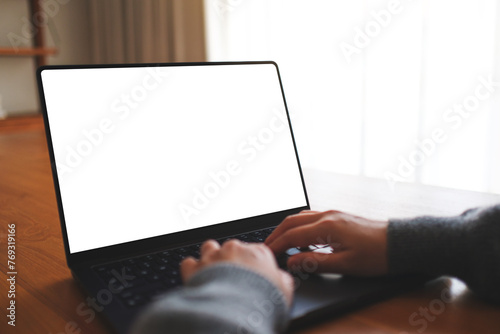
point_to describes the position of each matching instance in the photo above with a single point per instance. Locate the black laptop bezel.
(170, 240)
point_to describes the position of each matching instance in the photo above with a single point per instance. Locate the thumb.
(188, 268)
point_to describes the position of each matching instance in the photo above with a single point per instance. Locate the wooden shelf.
(39, 51)
(27, 51)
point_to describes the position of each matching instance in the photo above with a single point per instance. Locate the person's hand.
(359, 244)
(256, 257)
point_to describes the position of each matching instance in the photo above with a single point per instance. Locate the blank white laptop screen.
(146, 151)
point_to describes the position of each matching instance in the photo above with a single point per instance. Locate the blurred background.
(403, 90)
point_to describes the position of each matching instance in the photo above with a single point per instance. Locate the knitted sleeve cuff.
(466, 246)
(427, 245)
(224, 298)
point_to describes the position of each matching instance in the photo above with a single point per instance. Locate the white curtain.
(402, 90)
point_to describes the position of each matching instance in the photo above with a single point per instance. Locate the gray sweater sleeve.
(222, 299)
(465, 246)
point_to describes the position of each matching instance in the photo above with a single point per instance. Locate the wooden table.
(47, 298)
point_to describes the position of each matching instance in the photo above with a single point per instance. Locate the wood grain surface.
(47, 298)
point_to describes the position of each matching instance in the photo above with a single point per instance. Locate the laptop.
(150, 160)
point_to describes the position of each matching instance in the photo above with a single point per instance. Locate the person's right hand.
(255, 257)
(360, 245)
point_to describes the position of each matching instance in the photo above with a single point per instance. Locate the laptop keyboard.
(158, 272)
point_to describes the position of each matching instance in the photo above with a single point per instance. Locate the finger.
(209, 247)
(232, 242)
(312, 262)
(188, 267)
(236, 248)
(309, 211)
(265, 251)
(292, 221)
(300, 236)
(232, 245)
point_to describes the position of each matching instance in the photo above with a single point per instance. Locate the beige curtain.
(138, 31)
